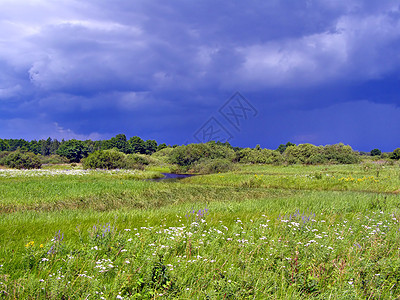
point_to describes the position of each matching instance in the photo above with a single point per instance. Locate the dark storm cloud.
(97, 68)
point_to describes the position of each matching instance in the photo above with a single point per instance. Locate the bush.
(260, 156)
(395, 154)
(192, 153)
(209, 166)
(138, 161)
(163, 155)
(302, 153)
(105, 159)
(341, 154)
(114, 159)
(21, 160)
(310, 154)
(53, 159)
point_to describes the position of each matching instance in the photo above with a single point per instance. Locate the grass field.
(260, 232)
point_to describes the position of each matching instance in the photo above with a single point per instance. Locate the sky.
(179, 71)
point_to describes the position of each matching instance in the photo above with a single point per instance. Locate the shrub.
(21, 160)
(302, 153)
(260, 156)
(163, 154)
(105, 159)
(209, 166)
(395, 154)
(138, 161)
(192, 153)
(114, 159)
(53, 159)
(341, 154)
(310, 154)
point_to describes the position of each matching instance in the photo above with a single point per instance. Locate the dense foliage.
(74, 150)
(259, 156)
(21, 160)
(187, 156)
(313, 155)
(114, 159)
(396, 154)
(192, 153)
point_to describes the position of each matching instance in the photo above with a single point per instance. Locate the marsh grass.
(225, 236)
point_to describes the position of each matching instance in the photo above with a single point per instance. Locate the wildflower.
(41, 246)
(30, 244)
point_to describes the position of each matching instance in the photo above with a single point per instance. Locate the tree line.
(75, 150)
(211, 155)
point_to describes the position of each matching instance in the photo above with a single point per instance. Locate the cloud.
(21, 128)
(125, 66)
(360, 48)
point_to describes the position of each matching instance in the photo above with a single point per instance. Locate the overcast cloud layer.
(321, 72)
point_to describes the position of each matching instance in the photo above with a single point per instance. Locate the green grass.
(288, 233)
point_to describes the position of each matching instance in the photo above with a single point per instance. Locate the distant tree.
(395, 154)
(15, 144)
(55, 144)
(150, 146)
(3, 145)
(45, 146)
(375, 152)
(161, 146)
(137, 145)
(34, 147)
(118, 142)
(74, 150)
(283, 147)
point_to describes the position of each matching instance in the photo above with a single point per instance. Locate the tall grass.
(111, 236)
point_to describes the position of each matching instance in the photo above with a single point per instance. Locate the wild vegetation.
(263, 224)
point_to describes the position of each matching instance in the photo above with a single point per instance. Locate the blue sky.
(319, 72)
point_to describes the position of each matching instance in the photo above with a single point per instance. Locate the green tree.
(161, 146)
(375, 152)
(150, 147)
(283, 147)
(3, 145)
(45, 146)
(55, 144)
(118, 142)
(34, 147)
(15, 144)
(73, 149)
(137, 145)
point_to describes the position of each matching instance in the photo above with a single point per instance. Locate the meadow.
(258, 232)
